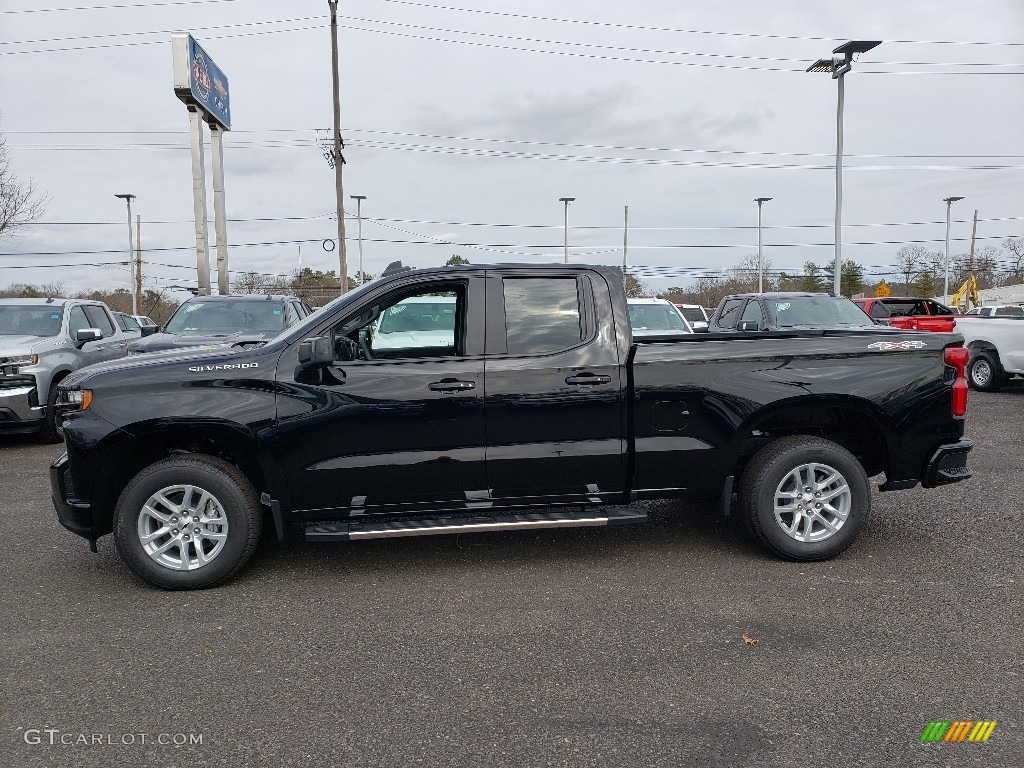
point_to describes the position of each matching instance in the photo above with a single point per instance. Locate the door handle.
(451, 385)
(588, 379)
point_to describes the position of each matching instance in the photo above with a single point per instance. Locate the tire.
(223, 507)
(984, 373)
(774, 502)
(52, 429)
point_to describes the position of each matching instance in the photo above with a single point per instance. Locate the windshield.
(816, 311)
(656, 317)
(693, 314)
(226, 317)
(30, 320)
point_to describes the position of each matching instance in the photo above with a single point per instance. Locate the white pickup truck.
(996, 345)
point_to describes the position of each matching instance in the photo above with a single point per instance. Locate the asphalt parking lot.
(581, 647)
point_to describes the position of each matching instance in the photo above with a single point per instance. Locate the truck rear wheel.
(805, 498)
(187, 522)
(984, 372)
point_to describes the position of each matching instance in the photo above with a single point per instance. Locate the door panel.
(555, 421)
(386, 435)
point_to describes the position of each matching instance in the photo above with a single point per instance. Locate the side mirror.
(748, 325)
(88, 334)
(702, 329)
(315, 352)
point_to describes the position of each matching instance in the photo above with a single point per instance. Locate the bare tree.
(1014, 247)
(910, 261)
(20, 201)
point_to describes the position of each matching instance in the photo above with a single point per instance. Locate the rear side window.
(542, 314)
(730, 314)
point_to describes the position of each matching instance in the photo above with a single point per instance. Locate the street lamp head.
(760, 200)
(358, 197)
(951, 199)
(566, 200)
(821, 65)
(126, 197)
(856, 46)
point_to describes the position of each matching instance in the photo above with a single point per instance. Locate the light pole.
(565, 227)
(359, 218)
(839, 65)
(131, 251)
(760, 261)
(949, 203)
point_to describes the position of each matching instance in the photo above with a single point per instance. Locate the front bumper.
(19, 409)
(73, 514)
(948, 464)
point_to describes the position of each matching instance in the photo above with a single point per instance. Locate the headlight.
(16, 360)
(80, 397)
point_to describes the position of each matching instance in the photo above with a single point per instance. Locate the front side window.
(878, 309)
(77, 321)
(730, 314)
(99, 319)
(542, 314)
(752, 313)
(418, 324)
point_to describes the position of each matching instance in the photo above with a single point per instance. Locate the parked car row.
(44, 340)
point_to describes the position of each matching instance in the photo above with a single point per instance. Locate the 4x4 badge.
(898, 345)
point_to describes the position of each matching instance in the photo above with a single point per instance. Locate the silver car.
(41, 342)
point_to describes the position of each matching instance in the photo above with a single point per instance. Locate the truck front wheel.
(187, 522)
(805, 498)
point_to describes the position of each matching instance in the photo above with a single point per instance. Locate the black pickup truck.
(500, 398)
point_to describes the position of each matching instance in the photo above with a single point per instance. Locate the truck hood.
(159, 342)
(179, 362)
(19, 345)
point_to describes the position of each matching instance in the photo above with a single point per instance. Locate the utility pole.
(359, 218)
(138, 264)
(338, 159)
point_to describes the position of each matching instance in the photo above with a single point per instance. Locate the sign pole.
(220, 222)
(195, 120)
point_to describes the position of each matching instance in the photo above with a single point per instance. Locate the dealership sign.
(198, 81)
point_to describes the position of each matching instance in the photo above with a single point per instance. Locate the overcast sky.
(485, 113)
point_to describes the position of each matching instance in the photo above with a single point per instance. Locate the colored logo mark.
(958, 730)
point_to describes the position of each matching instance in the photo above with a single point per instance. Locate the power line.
(522, 142)
(516, 48)
(617, 227)
(643, 28)
(533, 246)
(119, 6)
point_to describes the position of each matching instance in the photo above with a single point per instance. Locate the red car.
(911, 314)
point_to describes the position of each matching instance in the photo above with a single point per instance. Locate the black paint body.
(605, 421)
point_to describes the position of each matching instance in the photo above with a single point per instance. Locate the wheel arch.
(140, 447)
(854, 423)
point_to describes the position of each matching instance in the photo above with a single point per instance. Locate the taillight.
(956, 358)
